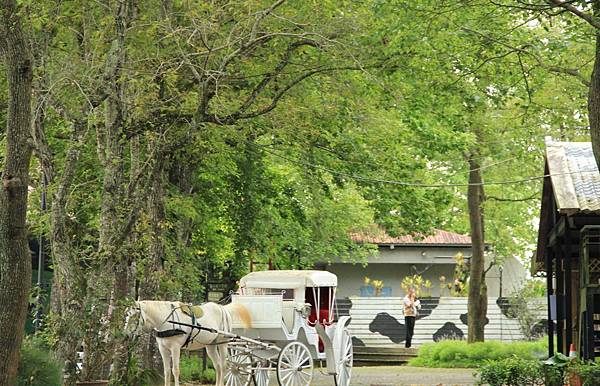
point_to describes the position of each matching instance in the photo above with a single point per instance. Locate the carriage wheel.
(344, 361)
(262, 375)
(294, 365)
(238, 368)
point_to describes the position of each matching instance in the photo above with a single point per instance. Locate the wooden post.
(560, 288)
(566, 252)
(590, 327)
(549, 292)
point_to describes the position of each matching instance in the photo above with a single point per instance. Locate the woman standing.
(411, 304)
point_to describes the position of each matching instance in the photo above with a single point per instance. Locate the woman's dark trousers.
(409, 322)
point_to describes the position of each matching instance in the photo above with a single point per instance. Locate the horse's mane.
(157, 310)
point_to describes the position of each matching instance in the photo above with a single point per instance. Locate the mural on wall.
(464, 318)
(387, 325)
(448, 331)
(439, 318)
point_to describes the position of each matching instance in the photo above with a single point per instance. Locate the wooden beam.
(558, 231)
(580, 220)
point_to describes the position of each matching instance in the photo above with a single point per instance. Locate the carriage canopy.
(289, 279)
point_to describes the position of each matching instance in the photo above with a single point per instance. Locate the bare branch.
(232, 118)
(492, 265)
(590, 19)
(504, 199)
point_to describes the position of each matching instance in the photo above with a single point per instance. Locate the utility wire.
(418, 184)
(482, 167)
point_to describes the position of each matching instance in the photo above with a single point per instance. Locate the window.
(288, 293)
(369, 291)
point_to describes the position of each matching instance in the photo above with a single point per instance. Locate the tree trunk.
(69, 280)
(594, 94)
(477, 308)
(153, 265)
(15, 258)
(112, 267)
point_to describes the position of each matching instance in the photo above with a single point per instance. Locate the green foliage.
(525, 306)
(37, 366)
(137, 375)
(393, 107)
(456, 353)
(589, 373)
(515, 371)
(191, 370)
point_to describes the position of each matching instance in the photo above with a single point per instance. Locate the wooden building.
(568, 248)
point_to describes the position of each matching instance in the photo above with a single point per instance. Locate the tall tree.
(15, 259)
(477, 305)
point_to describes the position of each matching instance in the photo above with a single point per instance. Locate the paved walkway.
(402, 375)
(398, 375)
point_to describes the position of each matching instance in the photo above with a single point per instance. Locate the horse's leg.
(222, 350)
(213, 354)
(165, 354)
(175, 353)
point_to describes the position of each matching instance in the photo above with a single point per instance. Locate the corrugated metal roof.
(574, 176)
(439, 237)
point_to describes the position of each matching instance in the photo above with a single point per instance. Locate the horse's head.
(134, 319)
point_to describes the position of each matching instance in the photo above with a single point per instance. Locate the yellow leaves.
(377, 284)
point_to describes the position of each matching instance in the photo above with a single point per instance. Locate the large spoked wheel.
(344, 360)
(238, 371)
(294, 365)
(262, 374)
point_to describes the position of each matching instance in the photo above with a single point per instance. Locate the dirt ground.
(398, 375)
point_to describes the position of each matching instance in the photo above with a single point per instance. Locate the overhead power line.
(358, 177)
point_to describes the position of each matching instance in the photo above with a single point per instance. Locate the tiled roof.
(439, 237)
(574, 175)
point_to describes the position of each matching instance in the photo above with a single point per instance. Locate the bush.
(518, 372)
(589, 373)
(137, 375)
(190, 367)
(457, 353)
(37, 365)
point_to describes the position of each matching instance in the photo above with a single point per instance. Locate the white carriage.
(293, 327)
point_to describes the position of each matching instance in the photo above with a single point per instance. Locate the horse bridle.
(140, 319)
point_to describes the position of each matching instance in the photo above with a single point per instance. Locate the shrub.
(139, 376)
(525, 307)
(589, 373)
(37, 365)
(457, 353)
(190, 367)
(517, 372)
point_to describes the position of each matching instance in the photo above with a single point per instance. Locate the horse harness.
(194, 312)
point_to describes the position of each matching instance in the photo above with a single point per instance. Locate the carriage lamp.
(305, 310)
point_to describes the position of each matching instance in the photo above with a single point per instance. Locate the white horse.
(171, 337)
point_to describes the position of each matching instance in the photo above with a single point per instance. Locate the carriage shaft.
(227, 335)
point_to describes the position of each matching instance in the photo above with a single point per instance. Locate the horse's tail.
(241, 312)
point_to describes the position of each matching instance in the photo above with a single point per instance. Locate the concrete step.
(389, 350)
(383, 354)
